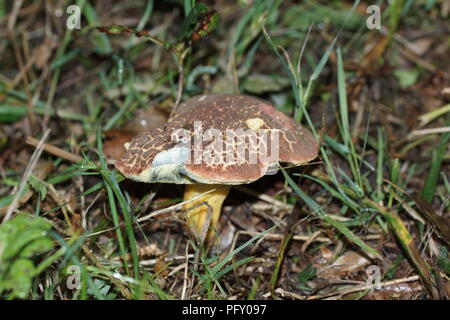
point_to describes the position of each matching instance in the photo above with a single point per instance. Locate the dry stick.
(33, 161)
(155, 213)
(314, 236)
(10, 28)
(65, 206)
(409, 52)
(151, 262)
(185, 278)
(150, 250)
(37, 94)
(164, 210)
(412, 56)
(275, 236)
(422, 132)
(365, 287)
(180, 81)
(234, 75)
(20, 12)
(22, 73)
(55, 150)
(196, 263)
(28, 55)
(342, 292)
(44, 169)
(410, 210)
(10, 33)
(175, 270)
(84, 212)
(264, 197)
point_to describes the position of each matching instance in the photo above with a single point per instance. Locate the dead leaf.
(349, 263)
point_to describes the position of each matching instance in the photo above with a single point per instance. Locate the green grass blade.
(316, 209)
(429, 188)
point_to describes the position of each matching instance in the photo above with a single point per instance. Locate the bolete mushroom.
(211, 143)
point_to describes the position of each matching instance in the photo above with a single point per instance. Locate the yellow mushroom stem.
(203, 213)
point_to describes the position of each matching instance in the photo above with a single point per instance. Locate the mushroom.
(211, 143)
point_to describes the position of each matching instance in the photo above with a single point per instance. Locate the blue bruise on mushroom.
(167, 167)
(152, 156)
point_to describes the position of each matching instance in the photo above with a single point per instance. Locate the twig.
(180, 81)
(175, 206)
(114, 30)
(275, 236)
(152, 262)
(363, 287)
(43, 170)
(264, 197)
(185, 279)
(55, 150)
(422, 132)
(33, 161)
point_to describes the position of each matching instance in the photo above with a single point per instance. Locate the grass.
(367, 192)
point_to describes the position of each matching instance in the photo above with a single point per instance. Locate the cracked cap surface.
(155, 157)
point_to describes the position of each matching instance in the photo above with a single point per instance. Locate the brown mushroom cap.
(155, 157)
